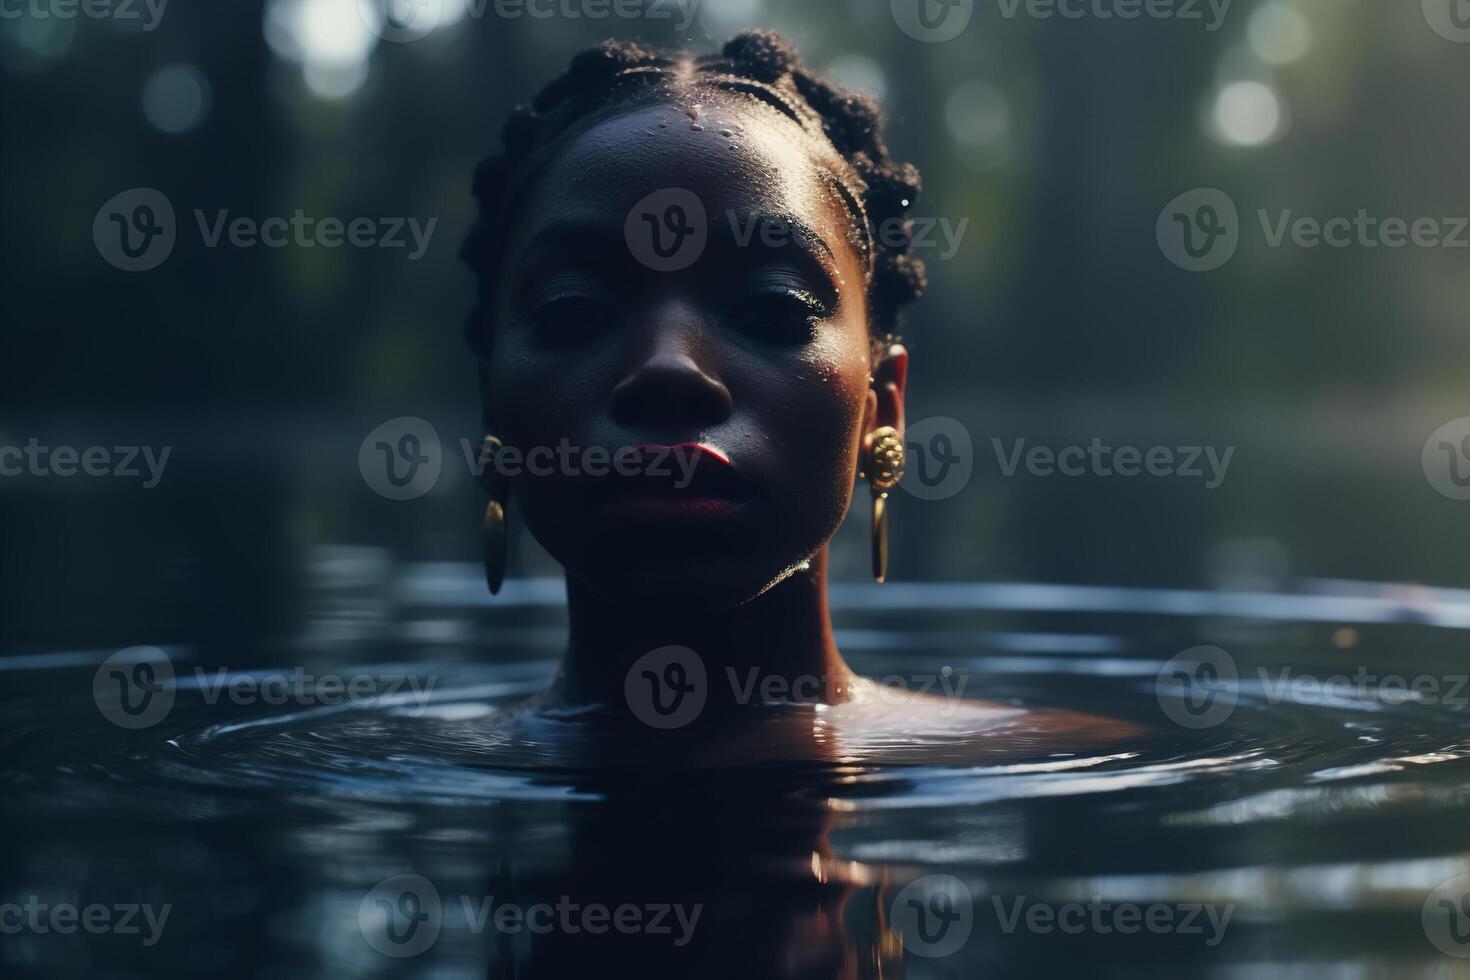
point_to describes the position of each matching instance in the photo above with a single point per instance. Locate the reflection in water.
(746, 857)
(415, 832)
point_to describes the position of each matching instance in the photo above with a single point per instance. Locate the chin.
(685, 585)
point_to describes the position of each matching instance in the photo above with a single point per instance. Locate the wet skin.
(762, 354)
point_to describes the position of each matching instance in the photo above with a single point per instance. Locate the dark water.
(1262, 824)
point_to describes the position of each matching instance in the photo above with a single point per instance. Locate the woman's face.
(700, 408)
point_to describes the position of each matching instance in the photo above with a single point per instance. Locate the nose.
(668, 389)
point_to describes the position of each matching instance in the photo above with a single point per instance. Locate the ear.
(886, 397)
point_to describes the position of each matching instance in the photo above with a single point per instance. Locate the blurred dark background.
(1059, 319)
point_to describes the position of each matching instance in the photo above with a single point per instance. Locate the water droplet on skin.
(726, 133)
(696, 128)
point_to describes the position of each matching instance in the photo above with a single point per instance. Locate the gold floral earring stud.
(883, 469)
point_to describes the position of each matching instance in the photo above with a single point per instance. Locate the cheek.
(822, 409)
(535, 402)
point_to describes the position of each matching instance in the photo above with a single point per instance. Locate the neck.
(782, 641)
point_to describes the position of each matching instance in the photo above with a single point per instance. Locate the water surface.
(1296, 818)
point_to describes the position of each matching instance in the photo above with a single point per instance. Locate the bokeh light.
(331, 40)
(1247, 113)
(176, 98)
(1279, 33)
(978, 114)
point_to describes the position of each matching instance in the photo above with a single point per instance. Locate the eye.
(566, 313)
(779, 308)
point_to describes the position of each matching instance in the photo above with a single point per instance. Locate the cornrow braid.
(878, 190)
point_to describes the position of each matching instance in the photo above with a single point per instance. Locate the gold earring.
(495, 537)
(883, 470)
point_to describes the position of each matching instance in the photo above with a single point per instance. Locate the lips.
(681, 482)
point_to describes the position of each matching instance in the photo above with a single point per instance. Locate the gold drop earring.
(495, 540)
(883, 468)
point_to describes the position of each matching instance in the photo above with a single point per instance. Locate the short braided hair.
(760, 64)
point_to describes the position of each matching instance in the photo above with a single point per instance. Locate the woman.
(680, 271)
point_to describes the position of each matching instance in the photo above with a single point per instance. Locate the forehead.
(740, 157)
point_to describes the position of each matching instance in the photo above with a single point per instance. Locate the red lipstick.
(686, 482)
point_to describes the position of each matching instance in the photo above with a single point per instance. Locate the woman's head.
(679, 252)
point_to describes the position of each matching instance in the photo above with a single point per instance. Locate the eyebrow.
(574, 241)
(585, 240)
(746, 231)
(795, 229)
